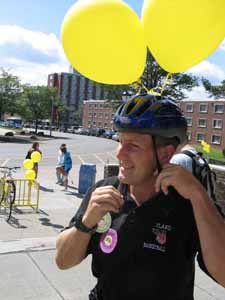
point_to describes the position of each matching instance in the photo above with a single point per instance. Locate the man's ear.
(165, 153)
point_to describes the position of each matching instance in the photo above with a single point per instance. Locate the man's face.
(136, 157)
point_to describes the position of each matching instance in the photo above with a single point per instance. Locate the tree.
(217, 91)
(36, 103)
(153, 78)
(10, 90)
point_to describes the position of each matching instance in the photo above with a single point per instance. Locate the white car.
(115, 137)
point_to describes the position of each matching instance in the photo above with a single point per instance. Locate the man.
(161, 215)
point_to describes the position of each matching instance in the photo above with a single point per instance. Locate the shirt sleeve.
(182, 160)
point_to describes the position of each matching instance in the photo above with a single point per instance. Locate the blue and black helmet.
(156, 115)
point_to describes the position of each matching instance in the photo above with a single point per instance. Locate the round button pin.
(104, 224)
(108, 241)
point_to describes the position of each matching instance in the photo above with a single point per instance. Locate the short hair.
(164, 141)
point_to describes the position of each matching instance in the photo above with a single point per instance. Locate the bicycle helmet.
(151, 114)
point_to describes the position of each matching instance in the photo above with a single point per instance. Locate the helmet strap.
(159, 167)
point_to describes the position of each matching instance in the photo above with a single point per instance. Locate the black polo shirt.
(155, 253)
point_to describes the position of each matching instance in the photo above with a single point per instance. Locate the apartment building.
(99, 113)
(206, 121)
(73, 89)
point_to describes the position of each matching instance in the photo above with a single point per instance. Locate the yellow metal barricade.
(27, 193)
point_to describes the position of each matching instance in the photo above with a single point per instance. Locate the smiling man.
(145, 227)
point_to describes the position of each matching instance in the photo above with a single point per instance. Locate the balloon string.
(139, 85)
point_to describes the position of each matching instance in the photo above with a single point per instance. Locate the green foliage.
(223, 151)
(10, 90)
(216, 91)
(36, 103)
(214, 153)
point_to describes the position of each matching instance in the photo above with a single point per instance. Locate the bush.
(223, 151)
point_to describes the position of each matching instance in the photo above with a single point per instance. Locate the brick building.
(73, 88)
(99, 113)
(206, 121)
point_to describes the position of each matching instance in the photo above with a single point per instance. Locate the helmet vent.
(142, 109)
(130, 107)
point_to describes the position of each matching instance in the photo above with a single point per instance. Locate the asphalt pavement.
(27, 243)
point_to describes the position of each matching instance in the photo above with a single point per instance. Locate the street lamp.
(126, 95)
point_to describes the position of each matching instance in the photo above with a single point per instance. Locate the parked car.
(115, 137)
(96, 131)
(108, 134)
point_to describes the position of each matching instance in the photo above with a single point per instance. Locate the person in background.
(35, 147)
(67, 165)
(145, 227)
(60, 165)
(182, 159)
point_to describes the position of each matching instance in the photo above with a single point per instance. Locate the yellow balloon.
(30, 174)
(36, 156)
(182, 33)
(104, 41)
(28, 164)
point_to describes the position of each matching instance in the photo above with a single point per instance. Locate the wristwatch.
(80, 225)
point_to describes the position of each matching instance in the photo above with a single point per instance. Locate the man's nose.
(121, 151)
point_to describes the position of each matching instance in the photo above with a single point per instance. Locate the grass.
(214, 154)
(11, 128)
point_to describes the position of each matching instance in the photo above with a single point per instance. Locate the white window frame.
(213, 142)
(189, 136)
(204, 111)
(199, 140)
(191, 105)
(189, 119)
(217, 120)
(216, 105)
(202, 126)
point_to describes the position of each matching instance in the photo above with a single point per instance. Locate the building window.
(189, 136)
(201, 122)
(189, 107)
(219, 108)
(99, 124)
(200, 137)
(217, 124)
(105, 125)
(189, 121)
(96, 105)
(90, 114)
(89, 123)
(216, 139)
(100, 115)
(90, 105)
(113, 115)
(106, 116)
(203, 108)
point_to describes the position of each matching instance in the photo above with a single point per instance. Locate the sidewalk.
(27, 249)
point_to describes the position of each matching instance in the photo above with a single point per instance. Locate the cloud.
(31, 55)
(208, 70)
(197, 93)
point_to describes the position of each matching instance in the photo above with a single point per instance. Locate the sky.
(30, 45)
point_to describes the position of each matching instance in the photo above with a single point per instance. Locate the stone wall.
(220, 184)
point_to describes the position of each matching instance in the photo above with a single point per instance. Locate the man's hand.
(103, 199)
(179, 178)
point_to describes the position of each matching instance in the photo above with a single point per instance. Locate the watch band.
(83, 228)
